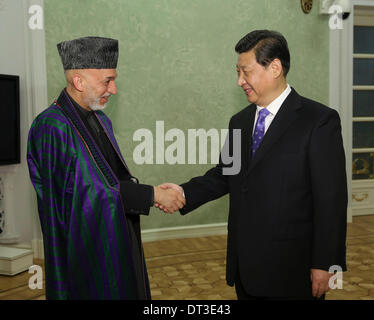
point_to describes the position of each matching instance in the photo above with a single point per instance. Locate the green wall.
(177, 64)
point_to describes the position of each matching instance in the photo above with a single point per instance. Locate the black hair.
(267, 46)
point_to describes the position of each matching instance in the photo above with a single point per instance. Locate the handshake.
(169, 197)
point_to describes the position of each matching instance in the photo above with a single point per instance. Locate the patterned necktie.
(259, 130)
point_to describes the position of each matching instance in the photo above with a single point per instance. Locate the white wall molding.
(349, 215)
(341, 79)
(36, 66)
(36, 87)
(37, 248)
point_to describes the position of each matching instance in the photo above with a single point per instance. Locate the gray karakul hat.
(89, 53)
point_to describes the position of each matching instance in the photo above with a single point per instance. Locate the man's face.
(99, 86)
(257, 81)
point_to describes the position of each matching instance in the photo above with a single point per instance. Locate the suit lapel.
(284, 118)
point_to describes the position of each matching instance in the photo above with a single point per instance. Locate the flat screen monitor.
(9, 120)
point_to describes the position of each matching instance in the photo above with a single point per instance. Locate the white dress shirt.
(273, 108)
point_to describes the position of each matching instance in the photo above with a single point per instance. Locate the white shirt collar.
(275, 105)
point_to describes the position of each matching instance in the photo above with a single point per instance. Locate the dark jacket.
(288, 204)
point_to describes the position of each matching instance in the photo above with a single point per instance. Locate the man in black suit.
(288, 203)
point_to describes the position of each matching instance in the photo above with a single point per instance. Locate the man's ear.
(276, 67)
(77, 82)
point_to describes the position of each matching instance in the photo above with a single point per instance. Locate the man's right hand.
(168, 199)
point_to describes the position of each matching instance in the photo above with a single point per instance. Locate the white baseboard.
(196, 231)
(37, 247)
(349, 215)
(149, 235)
(362, 211)
(14, 260)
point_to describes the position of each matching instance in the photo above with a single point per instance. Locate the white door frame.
(341, 85)
(36, 87)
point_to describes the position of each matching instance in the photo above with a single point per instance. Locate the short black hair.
(267, 46)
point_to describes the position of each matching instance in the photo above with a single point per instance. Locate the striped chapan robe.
(87, 248)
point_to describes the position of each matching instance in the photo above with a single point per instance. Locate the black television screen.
(9, 120)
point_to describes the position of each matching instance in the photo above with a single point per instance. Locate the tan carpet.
(195, 268)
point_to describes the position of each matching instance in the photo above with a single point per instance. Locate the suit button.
(245, 189)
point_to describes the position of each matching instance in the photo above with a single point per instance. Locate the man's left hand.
(320, 281)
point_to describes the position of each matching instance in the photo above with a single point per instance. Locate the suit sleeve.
(137, 198)
(211, 186)
(329, 188)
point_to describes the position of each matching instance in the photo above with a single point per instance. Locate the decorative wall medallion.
(363, 165)
(359, 196)
(360, 166)
(306, 5)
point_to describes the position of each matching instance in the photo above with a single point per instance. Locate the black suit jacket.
(288, 205)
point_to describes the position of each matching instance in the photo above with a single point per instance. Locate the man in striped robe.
(88, 201)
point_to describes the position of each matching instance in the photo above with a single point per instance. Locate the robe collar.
(65, 103)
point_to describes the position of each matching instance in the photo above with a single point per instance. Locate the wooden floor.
(195, 268)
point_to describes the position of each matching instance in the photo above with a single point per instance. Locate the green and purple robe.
(87, 243)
